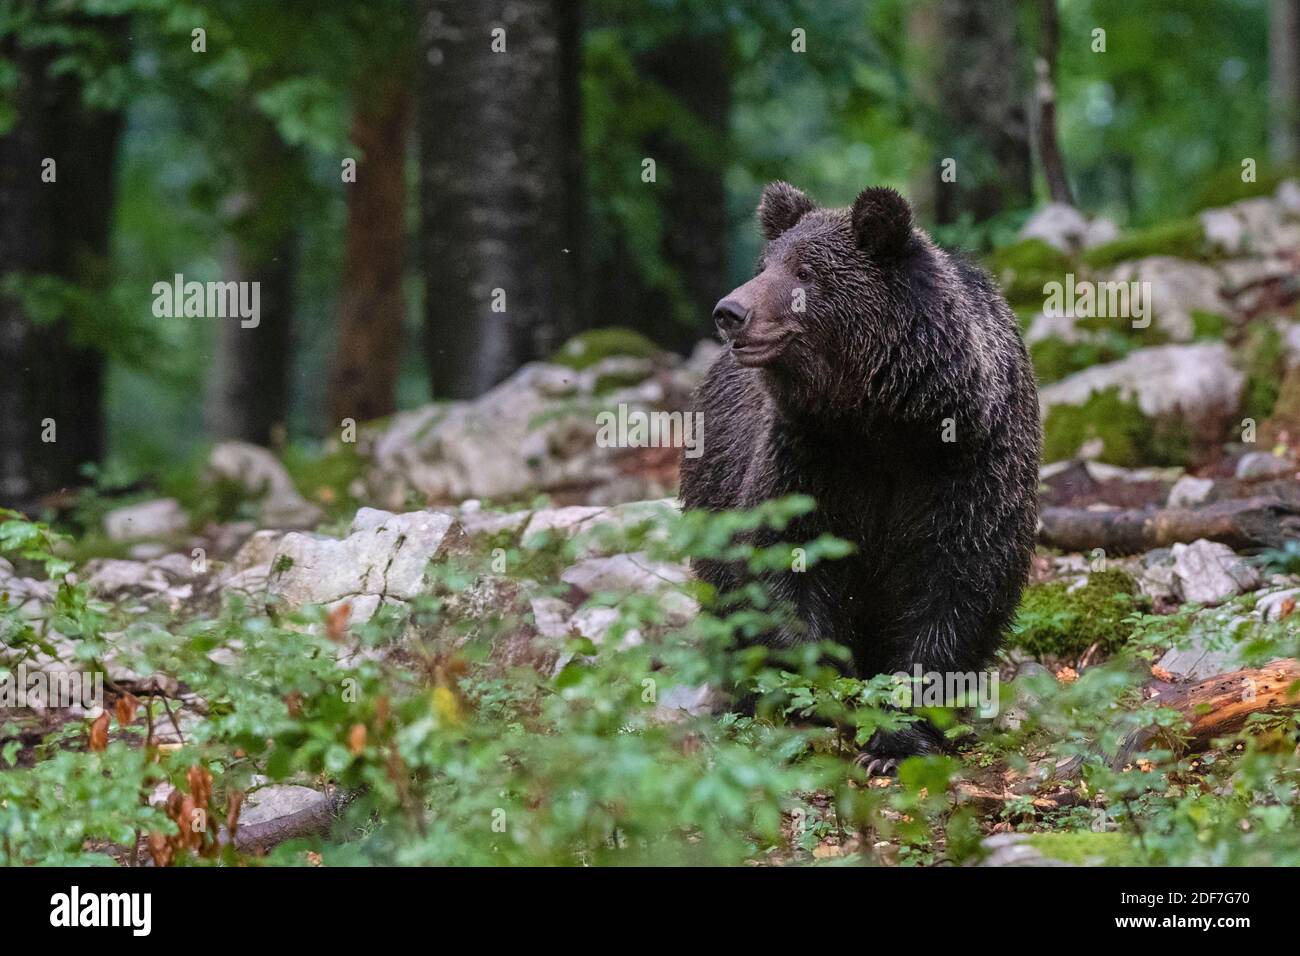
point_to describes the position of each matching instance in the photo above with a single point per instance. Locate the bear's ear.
(882, 221)
(780, 208)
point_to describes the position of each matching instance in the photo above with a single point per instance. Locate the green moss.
(1183, 238)
(586, 349)
(1023, 268)
(1055, 621)
(1088, 848)
(1208, 325)
(1127, 436)
(325, 474)
(1054, 358)
(1263, 358)
(613, 381)
(1226, 186)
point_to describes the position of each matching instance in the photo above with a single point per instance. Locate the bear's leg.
(944, 642)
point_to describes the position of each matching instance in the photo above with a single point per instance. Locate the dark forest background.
(212, 140)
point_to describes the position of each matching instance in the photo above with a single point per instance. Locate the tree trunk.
(499, 226)
(1284, 80)
(363, 382)
(249, 390)
(1049, 148)
(58, 229)
(981, 122)
(695, 70)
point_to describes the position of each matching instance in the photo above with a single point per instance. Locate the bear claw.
(877, 766)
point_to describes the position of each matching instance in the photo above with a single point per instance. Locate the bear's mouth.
(755, 353)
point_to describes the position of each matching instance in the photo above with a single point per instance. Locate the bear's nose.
(730, 316)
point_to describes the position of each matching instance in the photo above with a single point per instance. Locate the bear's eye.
(803, 274)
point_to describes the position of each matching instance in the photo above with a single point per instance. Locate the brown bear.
(886, 378)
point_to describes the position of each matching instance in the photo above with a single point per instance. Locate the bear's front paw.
(875, 765)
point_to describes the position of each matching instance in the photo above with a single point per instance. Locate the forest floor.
(471, 635)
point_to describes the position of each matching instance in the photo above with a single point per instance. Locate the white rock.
(1196, 382)
(1207, 572)
(1060, 226)
(1258, 226)
(562, 521)
(595, 624)
(385, 555)
(551, 617)
(1178, 287)
(1100, 231)
(262, 476)
(683, 700)
(1270, 605)
(1288, 197)
(625, 572)
(1257, 465)
(1189, 491)
(160, 518)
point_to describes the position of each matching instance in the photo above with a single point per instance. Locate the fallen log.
(1221, 705)
(1244, 525)
(1213, 708)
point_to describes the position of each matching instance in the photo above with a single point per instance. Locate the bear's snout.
(730, 315)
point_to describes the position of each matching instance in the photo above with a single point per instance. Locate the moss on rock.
(1128, 437)
(587, 348)
(1025, 267)
(1184, 238)
(1056, 621)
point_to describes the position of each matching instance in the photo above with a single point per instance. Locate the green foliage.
(1127, 436)
(1062, 620)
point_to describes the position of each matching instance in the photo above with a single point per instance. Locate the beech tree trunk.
(248, 396)
(1049, 147)
(981, 122)
(1284, 80)
(500, 222)
(694, 69)
(51, 384)
(363, 381)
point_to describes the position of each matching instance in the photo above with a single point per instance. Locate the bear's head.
(826, 292)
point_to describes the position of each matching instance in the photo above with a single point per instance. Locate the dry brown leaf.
(1159, 673)
(336, 623)
(234, 803)
(357, 739)
(99, 732)
(200, 783)
(125, 709)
